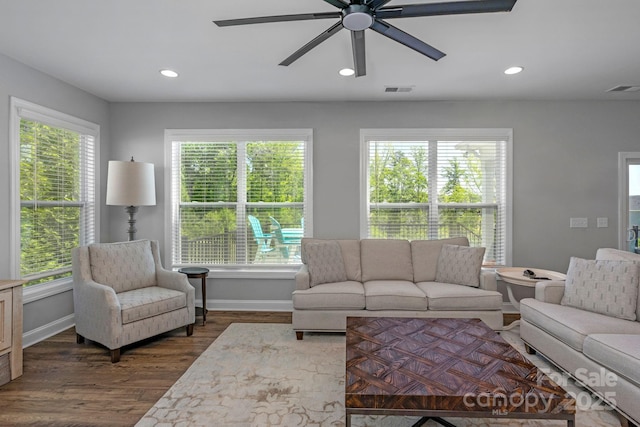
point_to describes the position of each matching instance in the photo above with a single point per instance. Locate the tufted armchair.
(122, 294)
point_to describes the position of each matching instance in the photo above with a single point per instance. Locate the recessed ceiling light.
(168, 73)
(346, 72)
(513, 70)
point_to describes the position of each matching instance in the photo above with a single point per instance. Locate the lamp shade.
(130, 184)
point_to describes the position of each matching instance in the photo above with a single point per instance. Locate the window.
(238, 198)
(53, 190)
(438, 183)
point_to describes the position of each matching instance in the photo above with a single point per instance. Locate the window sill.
(45, 290)
(253, 273)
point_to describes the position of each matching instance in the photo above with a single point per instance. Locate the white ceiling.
(571, 49)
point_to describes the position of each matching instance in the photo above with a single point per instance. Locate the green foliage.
(50, 196)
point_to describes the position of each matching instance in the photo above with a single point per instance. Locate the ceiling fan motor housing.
(357, 17)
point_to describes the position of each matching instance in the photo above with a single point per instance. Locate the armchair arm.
(302, 278)
(97, 312)
(173, 280)
(488, 280)
(550, 291)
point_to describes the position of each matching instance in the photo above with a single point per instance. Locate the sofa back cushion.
(603, 286)
(325, 263)
(350, 250)
(618, 255)
(460, 265)
(425, 254)
(386, 259)
(123, 266)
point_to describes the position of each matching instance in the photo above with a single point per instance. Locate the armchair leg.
(79, 339)
(299, 335)
(190, 329)
(115, 355)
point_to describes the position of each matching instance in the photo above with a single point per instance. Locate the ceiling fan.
(358, 15)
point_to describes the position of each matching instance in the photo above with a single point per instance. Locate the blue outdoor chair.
(262, 240)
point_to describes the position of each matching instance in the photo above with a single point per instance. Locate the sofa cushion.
(347, 295)
(425, 254)
(618, 255)
(123, 266)
(325, 263)
(386, 259)
(446, 296)
(147, 302)
(602, 286)
(572, 325)
(393, 295)
(617, 352)
(350, 254)
(460, 265)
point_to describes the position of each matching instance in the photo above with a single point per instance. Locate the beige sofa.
(600, 347)
(375, 277)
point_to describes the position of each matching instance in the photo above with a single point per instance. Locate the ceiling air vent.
(398, 89)
(623, 88)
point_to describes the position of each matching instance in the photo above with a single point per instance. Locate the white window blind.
(238, 199)
(434, 184)
(56, 186)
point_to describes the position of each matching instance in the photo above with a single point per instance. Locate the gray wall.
(565, 164)
(31, 85)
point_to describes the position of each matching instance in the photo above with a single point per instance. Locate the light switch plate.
(578, 222)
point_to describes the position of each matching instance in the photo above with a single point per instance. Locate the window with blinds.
(439, 183)
(238, 198)
(56, 188)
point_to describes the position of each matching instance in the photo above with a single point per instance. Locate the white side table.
(515, 276)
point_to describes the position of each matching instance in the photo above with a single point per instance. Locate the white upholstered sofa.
(590, 328)
(376, 277)
(122, 294)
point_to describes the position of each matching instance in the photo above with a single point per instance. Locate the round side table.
(199, 273)
(515, 276)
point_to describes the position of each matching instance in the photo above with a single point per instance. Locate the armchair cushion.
(460, 265)
(151, 301)
(123, 266)
(602, 286)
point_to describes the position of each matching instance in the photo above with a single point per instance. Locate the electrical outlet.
(578, 222)
(603, 222)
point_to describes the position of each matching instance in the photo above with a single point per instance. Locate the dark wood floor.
(69, 384)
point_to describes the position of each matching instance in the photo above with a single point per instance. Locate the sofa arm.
(550, 291)
(302, 278)
(488, 280)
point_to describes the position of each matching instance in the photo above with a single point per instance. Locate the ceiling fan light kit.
(360, 15)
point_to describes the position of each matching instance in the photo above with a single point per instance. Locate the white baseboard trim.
(247, 305)
(45, 331)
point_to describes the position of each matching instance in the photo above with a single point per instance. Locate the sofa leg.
(529, 349)
(624, 422)
(115, 355)
(79, 339)
(299, 335)
(190, 329)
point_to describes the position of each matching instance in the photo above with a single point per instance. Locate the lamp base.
(132, 210)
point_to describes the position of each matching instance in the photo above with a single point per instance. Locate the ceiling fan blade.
(277, 18)
(406, 39)
(313, 43)
(445, 8)
(359, 58)
(338, 3)
(374, 4)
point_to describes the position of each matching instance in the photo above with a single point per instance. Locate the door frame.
(624, 160)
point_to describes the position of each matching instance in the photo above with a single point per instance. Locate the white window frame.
(226, 135)
(21, 109)
(625, 159)
(429, 134)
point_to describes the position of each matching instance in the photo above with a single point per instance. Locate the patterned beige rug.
(260, 375)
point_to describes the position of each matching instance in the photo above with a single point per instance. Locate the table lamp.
(131, 184)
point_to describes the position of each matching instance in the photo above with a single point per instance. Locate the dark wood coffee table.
(444, 368)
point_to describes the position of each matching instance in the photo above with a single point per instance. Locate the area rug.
(260, 375)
